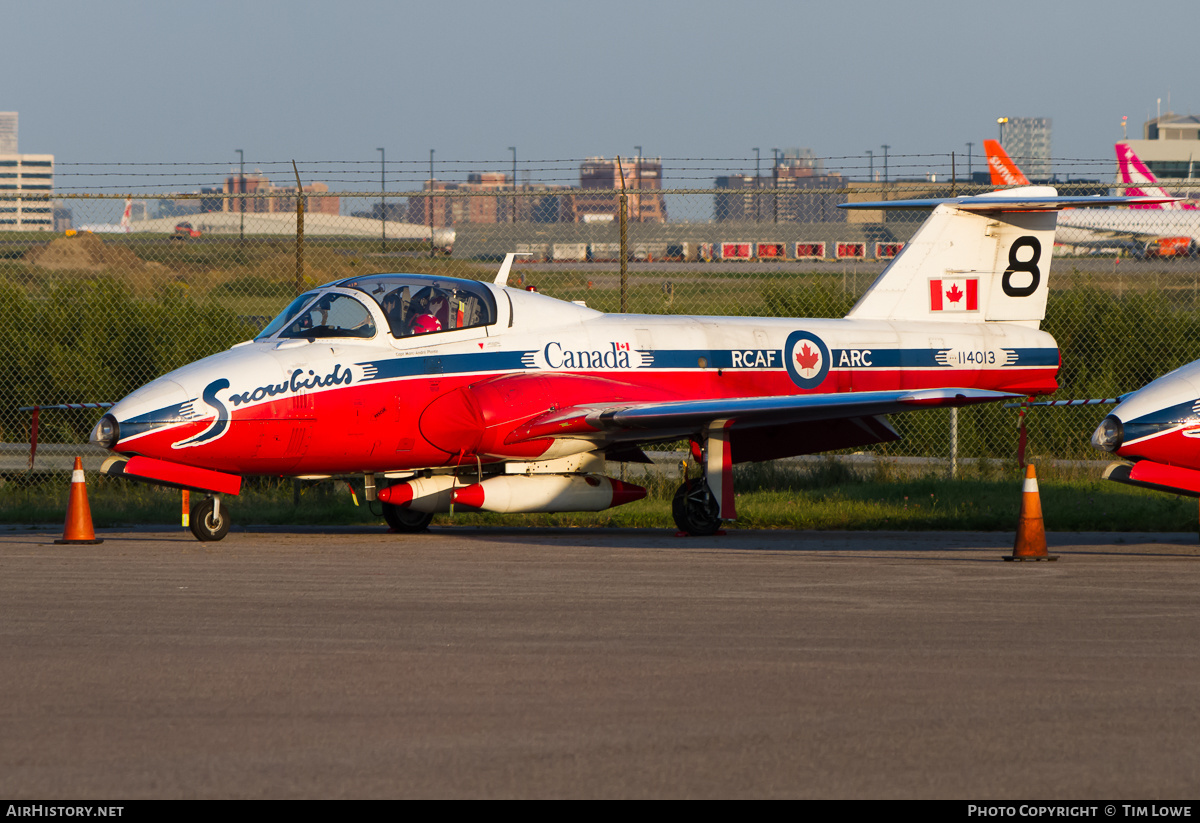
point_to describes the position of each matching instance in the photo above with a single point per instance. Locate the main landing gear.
(209, 520)
(695, 508)
(404, 519)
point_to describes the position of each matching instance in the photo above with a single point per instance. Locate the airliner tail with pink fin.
(1139, 180)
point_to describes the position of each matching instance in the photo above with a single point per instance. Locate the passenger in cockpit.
(426, 311)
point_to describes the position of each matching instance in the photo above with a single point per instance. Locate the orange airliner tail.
(1004, 170)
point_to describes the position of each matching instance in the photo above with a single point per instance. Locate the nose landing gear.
(208, 521)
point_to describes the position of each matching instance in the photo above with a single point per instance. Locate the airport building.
(390, 208)
(1170, 146)
(1027, 141)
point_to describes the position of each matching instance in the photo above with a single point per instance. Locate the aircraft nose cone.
(158, 403)
(1109, 435)
(107, 432)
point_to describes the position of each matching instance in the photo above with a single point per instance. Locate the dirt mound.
(84, 252)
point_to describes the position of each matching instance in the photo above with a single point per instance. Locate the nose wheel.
(695, 509)
(209, 520)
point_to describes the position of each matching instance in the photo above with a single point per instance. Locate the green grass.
(827, 496)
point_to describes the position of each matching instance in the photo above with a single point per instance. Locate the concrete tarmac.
(349, 663)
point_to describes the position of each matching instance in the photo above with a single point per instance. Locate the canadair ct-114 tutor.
(443, 392)
(1157, 429)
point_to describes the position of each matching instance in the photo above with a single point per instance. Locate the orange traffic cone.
(1031, 532)
(78, 528)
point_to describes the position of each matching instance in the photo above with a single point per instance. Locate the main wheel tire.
(695, 509)
(404, 519)
(204, 525)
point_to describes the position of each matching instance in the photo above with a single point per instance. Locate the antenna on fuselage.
(502, 275)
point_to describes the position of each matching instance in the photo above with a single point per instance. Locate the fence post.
(624, 218)
(299, 232)
(953, 444)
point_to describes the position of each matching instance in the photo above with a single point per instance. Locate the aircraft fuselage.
(320, 406)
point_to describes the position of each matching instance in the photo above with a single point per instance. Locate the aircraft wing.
(652, 418)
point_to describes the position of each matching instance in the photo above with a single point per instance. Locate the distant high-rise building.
(806, 197)
(640, 173)
(1027, 141)
(541, 203)
(263, 197)
(450, 211)
(8, 132)
(28, 173)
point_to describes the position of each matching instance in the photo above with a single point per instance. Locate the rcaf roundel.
(807, 359)
(954, 294)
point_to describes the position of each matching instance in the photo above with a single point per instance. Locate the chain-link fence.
(115, 290)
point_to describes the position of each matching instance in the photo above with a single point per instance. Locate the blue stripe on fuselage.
(169, 415)
(847, 357)
(502, 361)
(689, 358)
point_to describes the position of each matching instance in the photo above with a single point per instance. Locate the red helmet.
(425, 323)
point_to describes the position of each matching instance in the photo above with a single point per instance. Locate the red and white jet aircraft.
(1157, 429)
(442, 391)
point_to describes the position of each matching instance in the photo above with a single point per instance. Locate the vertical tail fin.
(1139, 180)
(974, 259)
(1004, 170)
(127, 215)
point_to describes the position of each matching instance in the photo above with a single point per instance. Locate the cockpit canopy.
(412, 304)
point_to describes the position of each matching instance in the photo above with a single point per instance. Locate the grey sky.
(158, 82)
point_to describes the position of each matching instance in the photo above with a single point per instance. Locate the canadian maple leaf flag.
(958, 294)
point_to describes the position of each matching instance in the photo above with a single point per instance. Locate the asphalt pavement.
(497, 663)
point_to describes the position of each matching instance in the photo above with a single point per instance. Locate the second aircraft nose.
(1110, 434)
(158, 403)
